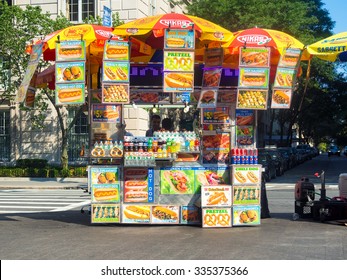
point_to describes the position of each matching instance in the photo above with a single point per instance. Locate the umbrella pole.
(89, 107)
(306, 84)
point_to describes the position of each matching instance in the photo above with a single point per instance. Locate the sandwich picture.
(164, 213)
(208, 96)
(280, 97)
(176, 181)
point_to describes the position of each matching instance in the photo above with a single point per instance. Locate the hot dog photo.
(176, 81)
(290, 58)
(252, 77)
(246, 175)
(136, 214)
(115, 71)
(116, 51)
(69, 94)
(284, 77)
(70, 50)
(254, 57)
(106, 194)
(137, 186)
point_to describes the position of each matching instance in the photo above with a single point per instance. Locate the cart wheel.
(296, 216)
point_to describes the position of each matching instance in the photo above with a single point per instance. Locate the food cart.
(207, 176)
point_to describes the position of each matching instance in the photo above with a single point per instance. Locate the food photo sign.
(178, 180)
(70, 50)
(246, 215)
(116, 71)
(290, 58)
(208, 98)
(136, 214)
(116, 50)
(254, 78)
(115, 93)
(215, 196)
(179, 39)
(254, 57)
(246, 175)
(190, 215)
(255, 99)
(182, 61)
(284, 77)
(106, 113)
(105, 213)
(69, 94)
(165, 214)
(281, 98)
(246, 195)
(219, 115)
(216, 217)
(138, 185)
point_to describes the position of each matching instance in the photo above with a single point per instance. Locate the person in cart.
(121, 132)
(155, 125)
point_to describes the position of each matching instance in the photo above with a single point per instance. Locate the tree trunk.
(64, 148)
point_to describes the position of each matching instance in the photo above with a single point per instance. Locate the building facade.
(18, 140)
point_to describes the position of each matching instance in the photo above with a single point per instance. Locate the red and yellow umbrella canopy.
(278, 41)
(331, 49)
(151, 29)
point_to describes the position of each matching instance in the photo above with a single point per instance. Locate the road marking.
(72, 206)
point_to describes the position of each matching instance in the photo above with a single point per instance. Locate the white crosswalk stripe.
(41, 200)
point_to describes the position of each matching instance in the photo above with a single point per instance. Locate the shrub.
(32, 163)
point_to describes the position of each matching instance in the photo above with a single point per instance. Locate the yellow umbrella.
(331, 49)
(151, 29)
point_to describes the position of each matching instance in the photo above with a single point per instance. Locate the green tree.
(319, 112)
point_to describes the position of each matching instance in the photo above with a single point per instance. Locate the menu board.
(212, 196)
(245, 135)
(290, 58)
(178, 60)
(216, 217)
(216, 148)
(70, 71)
(244, 117)
(208, 98)
(138, 185)
(211, 77)
(116, 73)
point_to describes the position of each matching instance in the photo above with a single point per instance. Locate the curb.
(34, 179)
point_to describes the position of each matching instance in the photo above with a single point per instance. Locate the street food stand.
(207, 176)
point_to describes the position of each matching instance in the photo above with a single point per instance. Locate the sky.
(337, 10)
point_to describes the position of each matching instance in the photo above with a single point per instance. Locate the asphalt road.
(69, 234)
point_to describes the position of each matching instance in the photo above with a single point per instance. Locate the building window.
(78, 136)
(78, 10)
(5, 141)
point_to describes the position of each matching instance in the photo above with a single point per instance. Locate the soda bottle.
(237, 156)
(255, 156)
(250, 155)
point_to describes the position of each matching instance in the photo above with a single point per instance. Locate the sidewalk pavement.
(43, 183)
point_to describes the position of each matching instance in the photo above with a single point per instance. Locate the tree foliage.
(320, 110)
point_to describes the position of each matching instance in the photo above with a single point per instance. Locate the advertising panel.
(216, 196)
(246, 215)
(72, 94)
(284, 77)
(106, 113)
(179, 39)
(255, 99)
(115, 93)
(116, 50)
(116, 71)
(165, 214)
(136, 214)
(216, 217)
(246, 174)
(190, 215)
(70, 72)
(178, 61)
(254, 57)
(105, 213)
(180, 180)
(247, 194)
(219, 115)
(178, 81)
(281, 98)
(208, 98)
(70, 50)
(254, 78)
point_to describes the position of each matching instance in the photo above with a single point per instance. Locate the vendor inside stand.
(155, 125)
(166, 124)
(121, 132)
